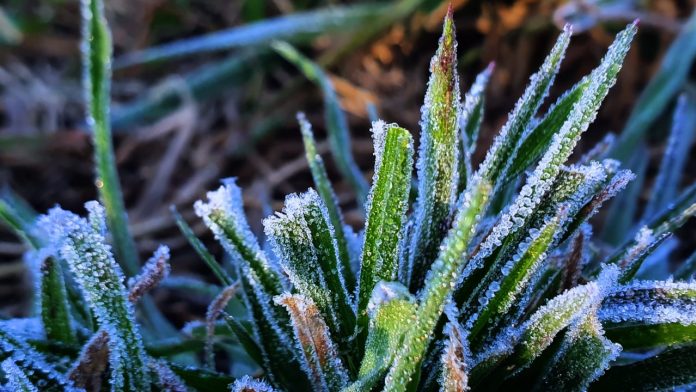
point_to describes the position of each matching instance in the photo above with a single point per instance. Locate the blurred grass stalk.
(211, 81)
(664, 86)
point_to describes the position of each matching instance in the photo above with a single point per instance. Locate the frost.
(101, 280)
(224, 216)
(325, 190)
(166, 378)
(651, 302)
(386, 213)
(321, 361)
(248, 384)
(214, 309)
(562, 311)
(17, 380)
(497, 159)
(30, 362)
(303, 238)
(455, 360)
(155, 270)
(542, 178)
(584, 355)
(438, 156)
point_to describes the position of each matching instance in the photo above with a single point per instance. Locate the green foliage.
(484, 283)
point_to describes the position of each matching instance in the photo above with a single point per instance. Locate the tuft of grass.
(491, 280)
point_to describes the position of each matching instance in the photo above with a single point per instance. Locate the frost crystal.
(101, 280)
(438, 156)
(321, 361)
(455, 360)
(248, 384)
(17, 380)
(155, 270)
(651, 302)
(224, 215)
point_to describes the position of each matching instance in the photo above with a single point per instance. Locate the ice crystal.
(102, 283)
(321, 361)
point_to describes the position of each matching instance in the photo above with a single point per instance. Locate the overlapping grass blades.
(456, 291)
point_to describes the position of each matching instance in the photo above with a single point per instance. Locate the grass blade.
(336, 122)
(391, 306)
(438, 287)
(304, 239)
(200, 249)
(438, 156)
(321, 360)
(669, 370)
(101, 280)
(681, 137)
(386, 213)
(498, 158)
(583, 357)
(17, 380)
(325, 190)
(299, 25)
(647, 314)
(96, 52)
(470, 119)
(664, 85)
(223, 213)
(538, 139)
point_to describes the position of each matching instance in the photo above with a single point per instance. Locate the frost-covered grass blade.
(438, 156)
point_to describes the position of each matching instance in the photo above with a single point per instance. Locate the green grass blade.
(438, 287)
(271, 329)
(101, 280)
(583, 357)
(304, 239)
(650, 314)
(55, 311)
(501, 294)
(438, 156)
(17, 380)
(538, 139)
(298, 26)
(201, 249)
(560, 312)
(52, 293)
(675, 157)
(542, 179)
(498, 158)
(386, 213)
(470, 119)
(247, 341)
(325, 190)
(223, 213)
(644, 245)
(96, 52)
(336, 122)
(32, 362)
(391, 306)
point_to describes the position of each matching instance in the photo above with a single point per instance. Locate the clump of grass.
(491, 280)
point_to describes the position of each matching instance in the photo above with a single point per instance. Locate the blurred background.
(198, 96)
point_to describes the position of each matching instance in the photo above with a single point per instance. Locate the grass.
(490, 280)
